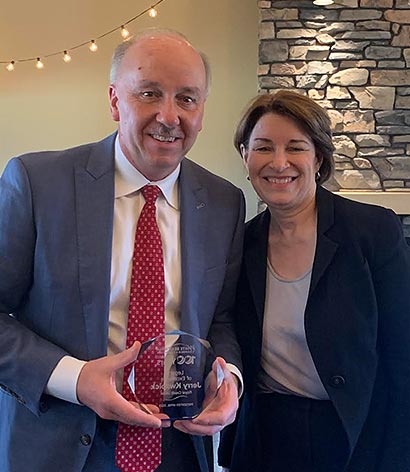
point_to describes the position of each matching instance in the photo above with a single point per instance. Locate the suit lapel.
(325, 247)
(94, 191)
(193, 221)
(255, 257)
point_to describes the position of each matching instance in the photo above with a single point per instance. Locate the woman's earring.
(317, 176)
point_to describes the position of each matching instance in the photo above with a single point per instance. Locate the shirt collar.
(129, 180)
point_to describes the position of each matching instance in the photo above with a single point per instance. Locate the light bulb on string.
(39, 64)
(124, 32)
(93, 46)
(323, 3)
(152, 12)
(10, 66)
(66, 57)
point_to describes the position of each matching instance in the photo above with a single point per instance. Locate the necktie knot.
(150, 193)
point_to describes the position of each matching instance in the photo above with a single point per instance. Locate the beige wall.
(66, 104)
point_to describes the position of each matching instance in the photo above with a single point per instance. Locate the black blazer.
(357, 322)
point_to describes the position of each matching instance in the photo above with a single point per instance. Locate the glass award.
(187, 362)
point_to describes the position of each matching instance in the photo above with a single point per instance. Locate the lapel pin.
(200, 205)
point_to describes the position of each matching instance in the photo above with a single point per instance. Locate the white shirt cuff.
(63, 380)
(234, 370)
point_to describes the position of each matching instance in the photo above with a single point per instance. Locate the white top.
(286, 360)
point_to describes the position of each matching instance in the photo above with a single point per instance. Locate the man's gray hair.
(123, 47)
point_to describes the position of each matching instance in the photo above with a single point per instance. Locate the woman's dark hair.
(305, 112)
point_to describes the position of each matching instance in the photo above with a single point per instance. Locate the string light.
(124, 32)
(92, 45)
(66, 57)
(152, 12)
(39, 64)
(323, 3)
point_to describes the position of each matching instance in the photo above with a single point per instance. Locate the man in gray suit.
(67, 222)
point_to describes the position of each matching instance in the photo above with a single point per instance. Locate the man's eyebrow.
(148, 83)
(195, 90)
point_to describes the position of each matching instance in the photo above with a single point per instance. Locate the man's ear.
(115, 114)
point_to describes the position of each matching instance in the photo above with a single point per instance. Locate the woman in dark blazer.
(323, 310)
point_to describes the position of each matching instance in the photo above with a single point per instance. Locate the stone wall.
(353, 57)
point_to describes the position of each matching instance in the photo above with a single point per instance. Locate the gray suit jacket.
(56, 218)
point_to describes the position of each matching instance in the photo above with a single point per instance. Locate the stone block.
(358, 121)
(362, 163)
(336, 27)
(280, 14)
(308, 81)
(406, 54)
(376, 3)
(325, 39)
(392, 65)
(360, 14)
(390, 77)
(272, 51)
(345, 56)
(298, 52)
(350, 45)
(343, 166)
(288, 24)
(403, 37)
(395, 117)
(393, 184)
(382, 52)
(288, 68)
(344, 146)
(316, 94)
(264, 4)
(268, 82)
(359, 63)
(345, 4)
(337, 93)
(403, 91)
(376, 98)
(350, 77)
(398, 16)
(365, 179)
(346, 105)
(363, 35)
(296, 33)
(317, 53)
(393, 167)
(320, 67)
(380, 152)
(393, 129)
(370, 140)
(263, 69)
(404, 139)
(373, 25)
(266, 30)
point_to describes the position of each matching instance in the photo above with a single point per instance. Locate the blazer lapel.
(325, 247)
(194, 217)
(94, 191)
(255, 257)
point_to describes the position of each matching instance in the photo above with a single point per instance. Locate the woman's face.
(282, 163)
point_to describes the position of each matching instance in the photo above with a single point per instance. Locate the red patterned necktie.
(139, 449)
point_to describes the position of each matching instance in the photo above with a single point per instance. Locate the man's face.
(158, 99)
